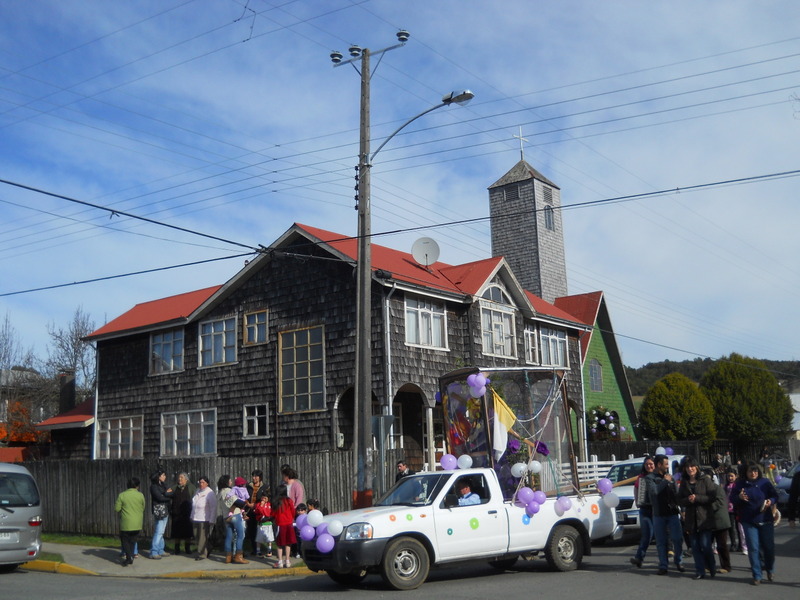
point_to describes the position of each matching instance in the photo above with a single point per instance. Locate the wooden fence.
(78, 496)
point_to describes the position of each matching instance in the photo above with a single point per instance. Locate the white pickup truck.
(419, 523)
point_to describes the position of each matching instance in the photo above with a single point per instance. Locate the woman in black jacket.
(697, 495)
(160, 500)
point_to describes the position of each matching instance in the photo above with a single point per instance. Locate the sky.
(139, 136)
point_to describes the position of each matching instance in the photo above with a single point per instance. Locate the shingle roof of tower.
(522, 171)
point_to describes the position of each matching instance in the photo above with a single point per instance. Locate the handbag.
(160, 510)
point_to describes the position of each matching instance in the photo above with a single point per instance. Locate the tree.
(748, 402)
(675, 408)
(70, 353)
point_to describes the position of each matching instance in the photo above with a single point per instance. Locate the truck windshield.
(415, 490)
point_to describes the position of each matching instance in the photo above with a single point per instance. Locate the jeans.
(235, 527)
(157, 545)
(702, 553)
(646, 524)
(760, 538)
(668, 527)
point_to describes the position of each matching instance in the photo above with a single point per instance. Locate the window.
(547, 194)
(218, 342)
(166, 352)
(426, 324)
(256, 420)
(255, 328)
(302, 370)
(554, 347)
(531, 355)
(190, 433)
(119, 438)
(549, 218)
(497, 323)
(595, 375)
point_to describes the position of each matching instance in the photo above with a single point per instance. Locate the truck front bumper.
(346, 556)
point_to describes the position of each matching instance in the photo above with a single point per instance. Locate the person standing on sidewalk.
(642, 495)
(182, 513)
(284, 521)
(666, 515)
(204, 513)
(754, 496)
(130, 506)
(160, 500)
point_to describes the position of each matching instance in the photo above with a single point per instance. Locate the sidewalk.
(89, 560)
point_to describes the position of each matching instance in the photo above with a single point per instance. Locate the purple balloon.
(540, 497)
(602, 421)
(438, 397)
(307, 533)
(471, 380)
(669, 451)
(325, 543)
(604, 485)
(322, 528)
(565, 503)
(449, 462)
(525, 495)
(479, 380)
(532, 508)
(300, 521)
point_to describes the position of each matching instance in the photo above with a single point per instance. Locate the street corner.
(51, 566)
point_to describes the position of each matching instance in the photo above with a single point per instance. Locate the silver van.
(20, 517)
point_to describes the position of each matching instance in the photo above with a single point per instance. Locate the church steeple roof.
(522, 171)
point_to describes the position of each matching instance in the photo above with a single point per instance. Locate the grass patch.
(81, 540)
(51, 556)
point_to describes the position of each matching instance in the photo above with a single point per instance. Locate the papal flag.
(504, 419)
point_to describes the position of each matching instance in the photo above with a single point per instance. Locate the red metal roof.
(80, 416)
(585, 308)
(154, 312)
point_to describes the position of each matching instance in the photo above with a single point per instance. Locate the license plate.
(9, 537)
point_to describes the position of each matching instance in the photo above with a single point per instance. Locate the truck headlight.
(358, 531)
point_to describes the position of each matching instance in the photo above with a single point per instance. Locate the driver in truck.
(466, 496)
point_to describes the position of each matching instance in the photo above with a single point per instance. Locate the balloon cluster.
(665, 451)
(312, 525)
(532, 501)
(604, 486)
(451, 463)
(602, 423)
(477, 383)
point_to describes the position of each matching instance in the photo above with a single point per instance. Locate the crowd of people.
(715, 511)
(240, 516)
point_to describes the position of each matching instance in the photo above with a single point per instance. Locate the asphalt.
(90, 560)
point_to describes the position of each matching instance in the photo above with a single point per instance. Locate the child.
(240, 491)
(263, 513)
(284, 519)
(295, 549)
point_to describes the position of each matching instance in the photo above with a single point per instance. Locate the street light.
(362, 438)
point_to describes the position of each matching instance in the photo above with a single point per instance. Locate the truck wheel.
(349, 578)
(564, 551)
(405, 564)
(504, 563)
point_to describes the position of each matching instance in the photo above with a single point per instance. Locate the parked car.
(783, 486)
(20, 517)
(623, 475)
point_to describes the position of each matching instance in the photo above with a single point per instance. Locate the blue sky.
(227, 118)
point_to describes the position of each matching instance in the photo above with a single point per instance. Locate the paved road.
(606, 574)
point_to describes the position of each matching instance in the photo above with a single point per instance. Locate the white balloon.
(611, 500)
(535, 466)
(660, 450)
(518, 469)
(559, 509)
(464, 461)
(335, 527)
(314, 518)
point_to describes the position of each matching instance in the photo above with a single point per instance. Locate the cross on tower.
(521, 139)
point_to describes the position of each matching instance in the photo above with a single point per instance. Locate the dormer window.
(497, 323)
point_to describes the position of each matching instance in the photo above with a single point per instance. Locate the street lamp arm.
(396, 131)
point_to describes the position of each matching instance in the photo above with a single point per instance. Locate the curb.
(49, 566)
(237, 574)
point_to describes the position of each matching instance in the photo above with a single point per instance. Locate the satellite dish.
(425, 251)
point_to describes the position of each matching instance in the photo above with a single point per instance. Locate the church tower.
(525, 212)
